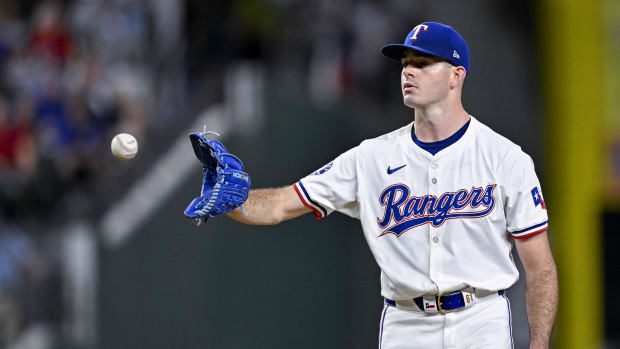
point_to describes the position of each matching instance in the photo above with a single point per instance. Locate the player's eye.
(418, 64)
(422, 64)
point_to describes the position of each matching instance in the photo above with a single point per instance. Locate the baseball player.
(441, 201)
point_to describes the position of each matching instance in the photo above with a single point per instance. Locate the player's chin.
(409, 100)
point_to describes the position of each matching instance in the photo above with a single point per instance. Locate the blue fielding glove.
(225, 186)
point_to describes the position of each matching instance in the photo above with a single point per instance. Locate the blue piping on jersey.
(512, 344)
(385, 309)
(530, 228)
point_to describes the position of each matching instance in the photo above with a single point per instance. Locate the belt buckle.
(438, 299)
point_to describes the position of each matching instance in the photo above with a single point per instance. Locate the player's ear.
(457, 76)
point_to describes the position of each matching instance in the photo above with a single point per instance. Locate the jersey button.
(434, 180)
(435, 239)
(434, 166)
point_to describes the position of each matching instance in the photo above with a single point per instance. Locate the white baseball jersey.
(435, 223)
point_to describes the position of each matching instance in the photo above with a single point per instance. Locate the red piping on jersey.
(530, 234)
(316, 212)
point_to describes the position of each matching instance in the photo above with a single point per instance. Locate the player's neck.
(434, 124)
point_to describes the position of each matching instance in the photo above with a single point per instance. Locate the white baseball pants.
(487, 324)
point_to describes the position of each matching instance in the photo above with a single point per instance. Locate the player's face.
(425, 79)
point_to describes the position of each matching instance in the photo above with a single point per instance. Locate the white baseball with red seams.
(124, 146)
(435, 223)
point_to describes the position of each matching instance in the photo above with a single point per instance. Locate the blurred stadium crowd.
(325, 49)
(66, 86)
(72, 75)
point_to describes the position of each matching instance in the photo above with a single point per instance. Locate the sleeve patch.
(538, 199)
(324, 169)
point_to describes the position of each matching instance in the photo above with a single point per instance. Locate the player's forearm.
(269, 206)
(541, 295)
(261, 208)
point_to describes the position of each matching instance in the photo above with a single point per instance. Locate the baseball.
(124, 146)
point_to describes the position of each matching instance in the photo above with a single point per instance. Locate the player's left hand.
(225, 186)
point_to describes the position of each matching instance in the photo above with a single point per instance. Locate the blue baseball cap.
(434, 39)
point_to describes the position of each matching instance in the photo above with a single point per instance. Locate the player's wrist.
(539, 343)
(538, 346)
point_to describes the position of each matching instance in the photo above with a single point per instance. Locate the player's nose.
(409, 70)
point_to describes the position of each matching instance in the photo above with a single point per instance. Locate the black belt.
(445, 303)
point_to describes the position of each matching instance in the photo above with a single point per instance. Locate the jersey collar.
(409, 144)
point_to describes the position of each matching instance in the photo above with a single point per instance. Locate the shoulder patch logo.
(538, 199)
(324, 169)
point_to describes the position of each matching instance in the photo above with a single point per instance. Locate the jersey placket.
(435, 236)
